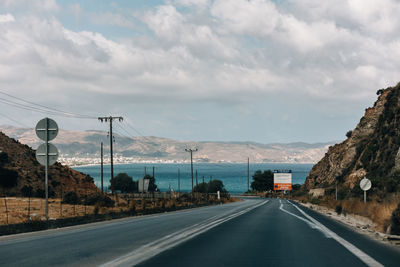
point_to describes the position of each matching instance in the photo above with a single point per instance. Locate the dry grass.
(380, 212)
(19, 208)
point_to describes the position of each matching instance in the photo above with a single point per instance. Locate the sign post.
(46, 154)
(365, 185)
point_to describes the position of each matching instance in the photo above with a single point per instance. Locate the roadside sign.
(143, 187)
(41, 154)
(282, 179)
(46, 125)
(365, 184)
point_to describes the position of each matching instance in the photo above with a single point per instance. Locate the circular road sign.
(45, 125)
(365, 184)
(41, 154)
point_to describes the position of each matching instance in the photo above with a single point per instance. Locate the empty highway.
(255, 232)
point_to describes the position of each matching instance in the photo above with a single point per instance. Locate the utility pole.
(111, 119)
(248, 174)
(101, 172)
(179, 180)
(196, 179)
(191, 161)
(153, 172)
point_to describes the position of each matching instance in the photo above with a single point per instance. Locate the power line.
(41, 108)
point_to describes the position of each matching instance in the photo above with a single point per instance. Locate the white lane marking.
(153, 248)
(368, 260)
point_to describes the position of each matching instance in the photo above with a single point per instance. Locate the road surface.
(254, 232)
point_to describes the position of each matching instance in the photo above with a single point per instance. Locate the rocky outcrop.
(371, 150)
(19, 161)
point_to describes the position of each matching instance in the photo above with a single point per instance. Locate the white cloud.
(201, 4)
(239, 51)
(6, 18)
(255, 17)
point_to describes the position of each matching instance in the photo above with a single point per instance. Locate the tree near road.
(212, 186)
(263, 181)
(124, 183)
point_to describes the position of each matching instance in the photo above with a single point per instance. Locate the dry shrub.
(379, 212)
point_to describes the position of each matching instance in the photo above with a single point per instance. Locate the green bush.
(71, 198)
(100, 200)
(27, 191)
(315, 201)
(338, 209)
(263, 181)
(40, 193)
(395, 220)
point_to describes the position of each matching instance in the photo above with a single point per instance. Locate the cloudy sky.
(244, 70)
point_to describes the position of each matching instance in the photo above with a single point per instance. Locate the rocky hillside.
(19, 170)
(371, 150)
(83, 147)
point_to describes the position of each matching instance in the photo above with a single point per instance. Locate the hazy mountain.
(82, 147)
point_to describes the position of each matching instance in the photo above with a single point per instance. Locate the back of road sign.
(41, 154)
(44, 125)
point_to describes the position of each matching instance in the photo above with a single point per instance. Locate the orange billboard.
(282, 180)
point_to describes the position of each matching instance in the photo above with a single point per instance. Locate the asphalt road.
(250, 233)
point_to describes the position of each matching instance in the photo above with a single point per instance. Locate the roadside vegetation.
(385, 213)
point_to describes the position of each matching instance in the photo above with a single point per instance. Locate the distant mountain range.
(83, 147)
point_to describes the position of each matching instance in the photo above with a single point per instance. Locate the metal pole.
(365, 196)
(46, 183)
(112, 159)
(101, 172)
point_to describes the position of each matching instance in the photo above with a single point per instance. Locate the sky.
(215, 70)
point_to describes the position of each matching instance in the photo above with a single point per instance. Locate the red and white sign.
(282, 181)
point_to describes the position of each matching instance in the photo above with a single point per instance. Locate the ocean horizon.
(233, 175)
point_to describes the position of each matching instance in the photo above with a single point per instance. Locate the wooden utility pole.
(179, 180)
(196, 179)
(191, 162)
(248, 174)
(110, 119)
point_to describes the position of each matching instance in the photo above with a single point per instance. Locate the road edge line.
(350, 247)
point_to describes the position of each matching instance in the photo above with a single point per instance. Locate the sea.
(233, 175)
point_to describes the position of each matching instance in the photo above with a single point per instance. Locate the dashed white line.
(153, 248)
